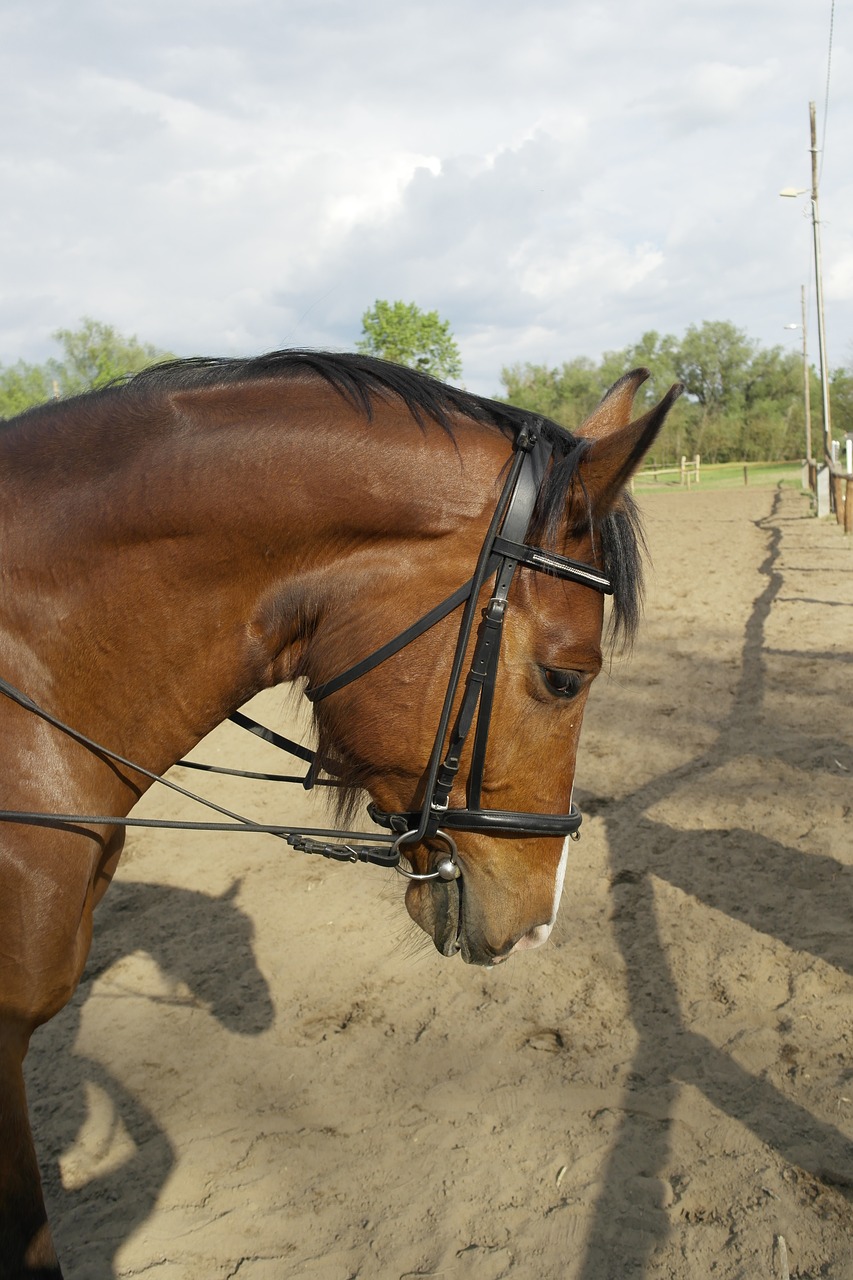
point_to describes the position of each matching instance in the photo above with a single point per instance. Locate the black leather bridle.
(503, 550)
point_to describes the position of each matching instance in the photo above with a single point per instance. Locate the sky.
(554, 178)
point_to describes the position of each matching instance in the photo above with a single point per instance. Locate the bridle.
(504, 549)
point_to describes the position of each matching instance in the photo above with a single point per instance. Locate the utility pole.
(821, 332)
(807, 399)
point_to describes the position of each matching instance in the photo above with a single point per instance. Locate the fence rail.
(688, 471)
(829, 481)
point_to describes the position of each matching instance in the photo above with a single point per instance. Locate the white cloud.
(553, 178)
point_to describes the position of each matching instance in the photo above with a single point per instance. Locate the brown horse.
(175, 544)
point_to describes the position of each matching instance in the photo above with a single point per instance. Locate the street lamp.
(821, 334)
(807, 400)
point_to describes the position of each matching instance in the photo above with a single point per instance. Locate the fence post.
(848, 505)
(839, 499)
(822, 490)
(696, 465)
(746, 475)
(683, 469)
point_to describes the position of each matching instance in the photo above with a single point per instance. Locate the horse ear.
(618, 444)
(229, 894)
(614, 409)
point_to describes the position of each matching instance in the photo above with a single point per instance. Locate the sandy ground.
(266, 1074)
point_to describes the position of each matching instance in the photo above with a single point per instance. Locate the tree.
(22, 385)
(567, 395)
(94, 355)
(401, 332)
(841, 394)
(659, 354)
(742, 401)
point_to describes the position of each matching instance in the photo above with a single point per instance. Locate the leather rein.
(504, 549)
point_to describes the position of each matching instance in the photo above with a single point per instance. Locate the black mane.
(360, 380)
(357, 378)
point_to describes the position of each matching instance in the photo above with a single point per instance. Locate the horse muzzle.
(465, 914)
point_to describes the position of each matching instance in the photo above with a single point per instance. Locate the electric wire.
(826, 94)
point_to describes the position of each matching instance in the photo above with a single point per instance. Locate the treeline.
(91, 356)
(742, 401)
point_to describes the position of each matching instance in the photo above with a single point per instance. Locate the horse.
(179, 541)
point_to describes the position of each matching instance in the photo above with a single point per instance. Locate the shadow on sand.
(705, 864)
(185, 932)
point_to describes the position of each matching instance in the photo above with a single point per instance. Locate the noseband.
(503, 550)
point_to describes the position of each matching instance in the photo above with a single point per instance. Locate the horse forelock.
(563, 507)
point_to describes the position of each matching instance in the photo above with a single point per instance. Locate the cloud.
(553, 178)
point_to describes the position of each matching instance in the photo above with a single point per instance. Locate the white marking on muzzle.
(536, 937)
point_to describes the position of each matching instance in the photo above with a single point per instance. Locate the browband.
(550, 562)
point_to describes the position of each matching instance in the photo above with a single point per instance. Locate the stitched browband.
(557, 565)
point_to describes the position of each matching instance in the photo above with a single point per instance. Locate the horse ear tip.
(631, 380)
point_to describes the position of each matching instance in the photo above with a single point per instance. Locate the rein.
(504, 549)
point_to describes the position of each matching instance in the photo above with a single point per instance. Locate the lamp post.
(807, 399)
(821, 332)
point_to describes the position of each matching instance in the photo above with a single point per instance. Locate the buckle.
(526, 439)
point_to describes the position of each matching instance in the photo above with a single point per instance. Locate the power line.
(826, 96)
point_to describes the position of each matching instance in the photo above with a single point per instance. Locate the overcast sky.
(231, 176)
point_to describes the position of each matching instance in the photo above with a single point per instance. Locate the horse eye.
(563, 684)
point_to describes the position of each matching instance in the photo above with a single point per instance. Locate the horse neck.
(179, 575)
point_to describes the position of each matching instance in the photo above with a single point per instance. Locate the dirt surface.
(266, 1073)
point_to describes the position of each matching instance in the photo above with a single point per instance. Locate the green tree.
(656, 352)
(713, 362)
(743, 401)
(93, 355)
(22, 385)
(841, 401)
(401, 332)
(96, 354)
(567, 395)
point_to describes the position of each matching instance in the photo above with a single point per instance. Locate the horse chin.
(436, 910)
(439, 908)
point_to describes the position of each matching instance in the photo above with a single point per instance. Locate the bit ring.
(447, 869)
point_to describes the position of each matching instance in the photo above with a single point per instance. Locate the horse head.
(509, 862)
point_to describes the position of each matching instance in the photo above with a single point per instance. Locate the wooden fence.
(832, 486)
(688, 472)
(841, 487)
(831, 483)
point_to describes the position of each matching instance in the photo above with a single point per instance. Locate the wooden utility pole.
(807, 397)
(821, 333)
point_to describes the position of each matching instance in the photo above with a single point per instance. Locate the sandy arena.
(267, 1072)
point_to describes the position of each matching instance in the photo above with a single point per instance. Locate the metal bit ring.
(448, 867)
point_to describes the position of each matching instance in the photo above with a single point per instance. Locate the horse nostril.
(535, 937)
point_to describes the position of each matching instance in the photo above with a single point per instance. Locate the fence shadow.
(734, 872)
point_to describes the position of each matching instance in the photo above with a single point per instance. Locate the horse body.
(174, 546)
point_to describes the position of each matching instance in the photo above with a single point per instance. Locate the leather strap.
(391, 647)
(551, 562)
